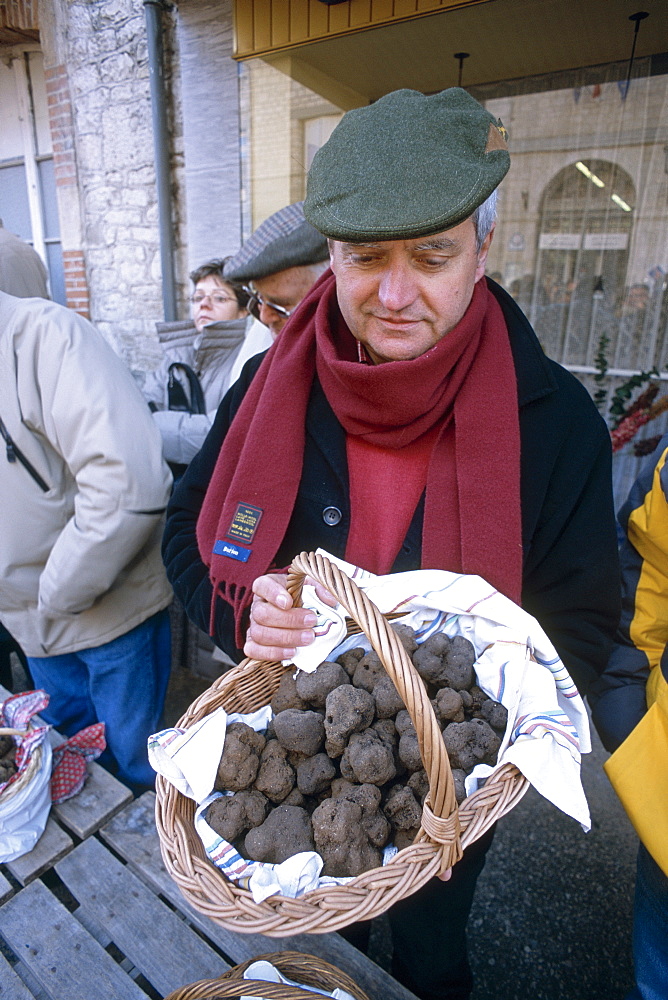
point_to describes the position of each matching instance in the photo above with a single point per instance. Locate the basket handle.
(318, 975)
(440, 816)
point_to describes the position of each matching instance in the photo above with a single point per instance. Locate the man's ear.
(482, 253)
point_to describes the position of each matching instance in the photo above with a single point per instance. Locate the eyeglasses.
(217, 298)
(256, 301)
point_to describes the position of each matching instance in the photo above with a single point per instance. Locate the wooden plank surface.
(48, 938)
(6, 890)
(11, 987)
(50, 848)
(99, 799)
(34, 988)
(132, 835)
(164, 949)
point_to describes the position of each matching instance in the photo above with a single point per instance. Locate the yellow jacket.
(638, 769)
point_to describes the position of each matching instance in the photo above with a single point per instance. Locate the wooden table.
(91, 912)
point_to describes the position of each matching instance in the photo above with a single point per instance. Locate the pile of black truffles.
(338, 770)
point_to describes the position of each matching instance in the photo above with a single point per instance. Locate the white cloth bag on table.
(23, 814)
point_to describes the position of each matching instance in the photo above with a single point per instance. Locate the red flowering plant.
(627, 420)
(627, 416)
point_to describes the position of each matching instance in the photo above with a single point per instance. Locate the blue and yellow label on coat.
(244, 523)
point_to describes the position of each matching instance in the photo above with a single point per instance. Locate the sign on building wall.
(606, 241)
(559, 241)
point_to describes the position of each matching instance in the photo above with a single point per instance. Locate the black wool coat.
(570, 564)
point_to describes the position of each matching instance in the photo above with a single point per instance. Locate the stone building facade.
(97, 75)
(97, 92)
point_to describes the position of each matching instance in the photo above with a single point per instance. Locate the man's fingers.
(283, 638)
(264, 613)
(256, 652)
(271, 587)
(277, 629)
(324, 594)
(275, 644)
(274, 632)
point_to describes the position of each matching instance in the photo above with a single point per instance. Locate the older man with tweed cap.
(406, 418)
(279, 264)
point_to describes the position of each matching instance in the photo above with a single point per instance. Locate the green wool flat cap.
(406, 166)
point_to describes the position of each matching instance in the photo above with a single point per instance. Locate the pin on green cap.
(406, 166)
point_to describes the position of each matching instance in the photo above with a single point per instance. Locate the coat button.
(331, 515)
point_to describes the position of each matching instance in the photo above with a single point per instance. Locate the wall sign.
(606, 241)
(559, 241)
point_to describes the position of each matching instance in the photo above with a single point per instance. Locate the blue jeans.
(122, 683)
(650, 931)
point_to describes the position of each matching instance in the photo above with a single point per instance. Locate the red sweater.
(385, 487)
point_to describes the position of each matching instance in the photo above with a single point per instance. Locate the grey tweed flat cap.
(283, 240)
(406, 166)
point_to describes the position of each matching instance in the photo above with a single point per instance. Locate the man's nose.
(397, 288)
(271, 318)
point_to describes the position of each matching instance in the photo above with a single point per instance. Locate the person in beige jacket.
(83, 488)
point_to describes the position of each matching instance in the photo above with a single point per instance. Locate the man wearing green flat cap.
(405, 418)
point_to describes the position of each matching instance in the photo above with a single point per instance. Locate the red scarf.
(466, 382)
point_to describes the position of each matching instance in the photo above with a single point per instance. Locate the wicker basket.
(446, 828)
(306, 969)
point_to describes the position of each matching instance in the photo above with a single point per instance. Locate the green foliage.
(601, 362)
(619, 405)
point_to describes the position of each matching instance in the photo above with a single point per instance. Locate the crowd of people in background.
(403, 362)
(84, 598)
(572, 315)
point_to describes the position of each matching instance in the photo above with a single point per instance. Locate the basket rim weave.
(307, 969)
(446, 828)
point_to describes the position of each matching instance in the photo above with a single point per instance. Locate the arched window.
(586, 222)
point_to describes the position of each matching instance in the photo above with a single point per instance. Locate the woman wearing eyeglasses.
(215, 300)
(203, 356)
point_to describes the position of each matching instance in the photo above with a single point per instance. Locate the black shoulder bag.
(184, 394)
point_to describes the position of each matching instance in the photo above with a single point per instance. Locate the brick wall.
(76, 285)
(62, 135)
